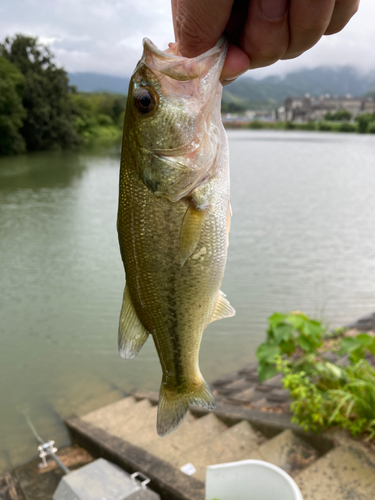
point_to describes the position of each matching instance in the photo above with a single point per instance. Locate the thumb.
(199, 24)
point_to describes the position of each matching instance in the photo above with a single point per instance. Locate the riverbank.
(324, 126)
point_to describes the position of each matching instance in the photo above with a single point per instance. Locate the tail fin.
(173, 405)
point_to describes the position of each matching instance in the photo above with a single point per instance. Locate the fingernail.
(273, 9)
(231, 79)
(228, 80)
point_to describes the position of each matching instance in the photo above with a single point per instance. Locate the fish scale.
(173, 244)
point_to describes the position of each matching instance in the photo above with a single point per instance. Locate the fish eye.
(144, 100)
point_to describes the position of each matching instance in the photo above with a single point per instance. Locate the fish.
(174, 218)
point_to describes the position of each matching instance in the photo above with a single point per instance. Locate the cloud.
(105, 36)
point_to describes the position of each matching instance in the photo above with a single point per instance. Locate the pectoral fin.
(223, 309)
(131, 333)
(190, 231)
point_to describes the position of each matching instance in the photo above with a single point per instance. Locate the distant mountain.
(96, 82)
(318, 81)
(247, 92)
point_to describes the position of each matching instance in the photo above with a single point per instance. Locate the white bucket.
(249, 480)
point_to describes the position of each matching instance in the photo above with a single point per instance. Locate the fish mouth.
(182, 68)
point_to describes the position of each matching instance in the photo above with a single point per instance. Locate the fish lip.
(149, 45)
(182, 68)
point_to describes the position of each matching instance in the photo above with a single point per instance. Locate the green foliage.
(324, 394)
(300, 126)
(12, 111)
(99, 115)
(233, 106)
(308, 406)
(324, 127)
(50, 117)
(287, 333)
(257, 124)
(310, 125)
(340, 115)
(365, 120)
(290, 126)
(357, 346)
(323, 401)
(371, 127)
(347, 127)
(328, 126)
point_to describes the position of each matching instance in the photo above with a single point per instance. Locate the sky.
(105, 36)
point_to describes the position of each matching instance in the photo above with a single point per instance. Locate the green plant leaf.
(276, 319)
(266, 353)
(266, 371)
(287, 347)
(313, 328)
(282, 332)
(350, 344)
(306, 343)
(296, 320)
(366, 340)
(371, 347)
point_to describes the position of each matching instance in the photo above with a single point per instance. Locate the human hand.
(260, 32)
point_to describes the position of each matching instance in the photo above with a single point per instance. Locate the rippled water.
(302, 237)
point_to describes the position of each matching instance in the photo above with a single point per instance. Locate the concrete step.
(231, 445)
(105, 398)
(233, 387)
(189, 435)
(101, 416)
(345, 473)
(288, 451)
(124, 418)
(142, 430)
(146, 436)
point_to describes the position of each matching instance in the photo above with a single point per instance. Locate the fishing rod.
(46, 448)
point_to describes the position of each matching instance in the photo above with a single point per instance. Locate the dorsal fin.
(223, 309)
(131, 333)
(190, 231)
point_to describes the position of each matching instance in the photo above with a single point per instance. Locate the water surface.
(302, 237)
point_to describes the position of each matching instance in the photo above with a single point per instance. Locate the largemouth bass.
(173, 218)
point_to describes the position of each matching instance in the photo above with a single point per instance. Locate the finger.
(344, 10)
(266, 32)
(174, 13)
(199, 24)
(236, 63)
(308, 21)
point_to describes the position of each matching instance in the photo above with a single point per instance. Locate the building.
(307, 108)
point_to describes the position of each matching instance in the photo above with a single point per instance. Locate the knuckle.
(312, 32)
(266, 56)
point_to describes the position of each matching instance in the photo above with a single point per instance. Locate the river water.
(302, 237)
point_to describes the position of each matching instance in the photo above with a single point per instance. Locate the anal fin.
(131, 333)
(190, 231)
(223, 309)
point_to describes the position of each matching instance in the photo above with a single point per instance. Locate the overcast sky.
(105, 36)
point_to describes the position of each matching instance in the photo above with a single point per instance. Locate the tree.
(50, 120)
(364, 119)
(11, 110)
(341, 115)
